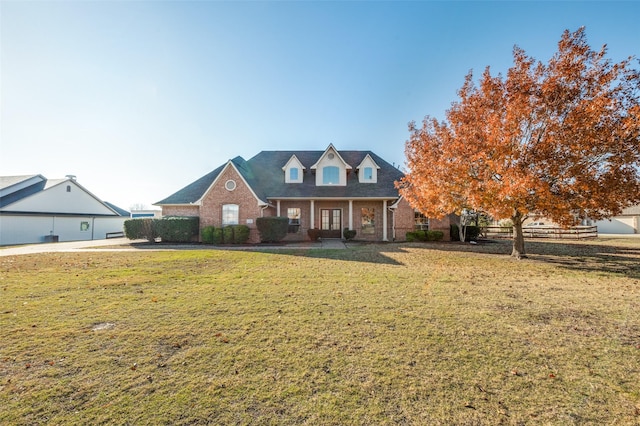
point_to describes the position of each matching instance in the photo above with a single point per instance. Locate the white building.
(34, 209)
(625, 223)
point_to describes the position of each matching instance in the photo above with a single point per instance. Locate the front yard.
(375, 334)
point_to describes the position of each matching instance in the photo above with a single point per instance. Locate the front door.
(330, 223)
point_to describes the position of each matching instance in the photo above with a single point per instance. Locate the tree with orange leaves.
(561, 140)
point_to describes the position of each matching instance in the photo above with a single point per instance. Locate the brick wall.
(217, 195)
(180, 210)
(405, 222)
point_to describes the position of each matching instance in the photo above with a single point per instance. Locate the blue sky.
(140, 98)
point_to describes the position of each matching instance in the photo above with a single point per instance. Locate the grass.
(375, 334)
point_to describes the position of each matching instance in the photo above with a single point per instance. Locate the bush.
(273, 228)
(177, 229)
(241, 234)
(472, 233)
(207, 234)
(434, 235)
(217, 236)
(349, 234)
(136, 229)
(415, 236)
(313, 234)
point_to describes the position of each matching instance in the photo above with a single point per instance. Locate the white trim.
(326, 151)
(52, 183)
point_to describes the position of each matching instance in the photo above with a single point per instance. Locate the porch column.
(350, 214)
(384, 220)
(312, 225)
(278, 208)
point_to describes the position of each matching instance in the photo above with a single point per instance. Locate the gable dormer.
(367, 170)
(331, 169)
(293, 170)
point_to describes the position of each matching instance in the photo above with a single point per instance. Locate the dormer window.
(331, 169)
(293, 174)
(368, 170)
(330, 175)
(293, 170)
(368, 173)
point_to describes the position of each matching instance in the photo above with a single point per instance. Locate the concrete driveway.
(75, 246)
(61, 247)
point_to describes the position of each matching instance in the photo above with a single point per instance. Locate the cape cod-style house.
(328, 190)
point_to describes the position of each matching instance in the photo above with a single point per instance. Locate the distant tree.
(560, 139)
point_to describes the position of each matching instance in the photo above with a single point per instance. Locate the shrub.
(349, 234)
(207, 234)
(471, 235)
(227, 235)
(217, 236)
(412, 236)
(455, 232)
(177, 229)
(273, 228)
(135, 229)
(240, 234)
(313, 234)
(434, 235)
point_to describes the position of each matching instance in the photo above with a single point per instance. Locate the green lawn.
(375, 334)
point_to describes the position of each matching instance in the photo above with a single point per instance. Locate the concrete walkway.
(104, 245)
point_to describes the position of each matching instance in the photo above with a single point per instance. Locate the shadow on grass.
(617, 256)
(602, 255)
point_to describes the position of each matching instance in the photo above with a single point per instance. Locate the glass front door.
(330, 223)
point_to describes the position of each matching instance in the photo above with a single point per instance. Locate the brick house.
(327, 190)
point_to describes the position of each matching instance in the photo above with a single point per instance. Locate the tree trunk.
(518, 237)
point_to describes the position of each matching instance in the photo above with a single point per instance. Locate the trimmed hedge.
(349, 234)
(314, 234)
(177, 229)
(172, 229)
(415, 236)
(272, 229)
(233, 234)
(472, 233)
(207, 234)
(137, 229)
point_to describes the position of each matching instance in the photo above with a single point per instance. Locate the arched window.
(68, 188)
(330, 175)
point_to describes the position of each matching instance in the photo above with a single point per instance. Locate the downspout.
(393, 223)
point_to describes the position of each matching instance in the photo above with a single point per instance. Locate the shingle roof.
(264, 174)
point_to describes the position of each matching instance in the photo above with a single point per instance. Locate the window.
(68, 188)
(368, 220)
(368, 173)
(293, 214)
(421, 221)
(230, 214)
(330, 175)
(230, 185)
(84, 226)
(293, 174)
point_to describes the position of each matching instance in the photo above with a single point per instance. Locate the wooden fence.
(576, 232)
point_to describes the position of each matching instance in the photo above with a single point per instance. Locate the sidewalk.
(79, 246)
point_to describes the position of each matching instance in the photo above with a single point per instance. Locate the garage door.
(616, 226)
